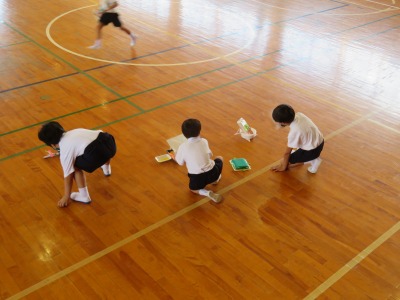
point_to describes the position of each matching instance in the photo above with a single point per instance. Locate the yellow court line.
(383, 4)
(384, 126)
(352, 263)
(352, 124)
(176, 215)
(329, 13)
(309, 94)
(372, 8)
(166, 220)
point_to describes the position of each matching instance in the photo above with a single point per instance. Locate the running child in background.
(304, 136)
(196, 154)
(108, 14)
(80, 150)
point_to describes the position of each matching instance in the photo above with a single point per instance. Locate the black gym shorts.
(199, 181)
(97, 153)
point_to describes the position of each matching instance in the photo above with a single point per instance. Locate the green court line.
(125, 98)
(156, 107)
(70, 65)
(59, 117)
(142, 111)
(377, 34)
(15, 44)
(138, 93)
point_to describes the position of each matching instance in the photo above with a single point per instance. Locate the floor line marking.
(307, 93)
(383, 4)
(384, 126)
(375, 11)
(245, 25)
(352, 263)
(71, 65)
(170, 218)
(125, 98)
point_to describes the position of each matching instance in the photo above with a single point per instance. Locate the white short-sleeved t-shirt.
(304, 134)
(195, 153)
(73, 144)
(104, 4)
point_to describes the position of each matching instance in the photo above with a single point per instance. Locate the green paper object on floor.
(240, 164)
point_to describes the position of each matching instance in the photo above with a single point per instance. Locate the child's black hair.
(51, 133)
(283, 113)
(191, 128)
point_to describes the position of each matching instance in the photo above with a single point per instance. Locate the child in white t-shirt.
(196, 154)
(304, 136)
(108, 14)
(80, 150)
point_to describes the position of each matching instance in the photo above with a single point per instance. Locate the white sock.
(84, 192)
(133, 39)
(96, 45)
(79, 198)
(204, 192)
(106, 169)
(314, 165)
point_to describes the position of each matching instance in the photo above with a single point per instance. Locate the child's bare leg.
(83, 194)
(295, 165)
(80, 179)
(123, 28)
(97, 43)
(131, 35)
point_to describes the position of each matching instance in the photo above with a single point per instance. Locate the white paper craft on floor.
(245, 131)
(174, 144)
(176, 141)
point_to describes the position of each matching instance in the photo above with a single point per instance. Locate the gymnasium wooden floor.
(291, 235)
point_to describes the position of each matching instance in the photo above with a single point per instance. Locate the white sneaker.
(217, 198)
(314, 165)
(133, 40)
(77, 197)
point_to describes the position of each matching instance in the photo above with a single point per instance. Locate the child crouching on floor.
(196, 154)
(305, 141)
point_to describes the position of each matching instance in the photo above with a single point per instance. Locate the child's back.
(196, 154)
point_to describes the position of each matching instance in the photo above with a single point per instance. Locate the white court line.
(193, 206)
(250, 37)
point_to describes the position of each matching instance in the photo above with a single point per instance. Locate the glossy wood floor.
(292, 235)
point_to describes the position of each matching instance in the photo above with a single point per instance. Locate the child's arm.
(178, 157)
(67, 190)
(284, 163)
(114, 5)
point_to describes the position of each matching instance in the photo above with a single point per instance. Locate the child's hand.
(172, 154)
(63, 202)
